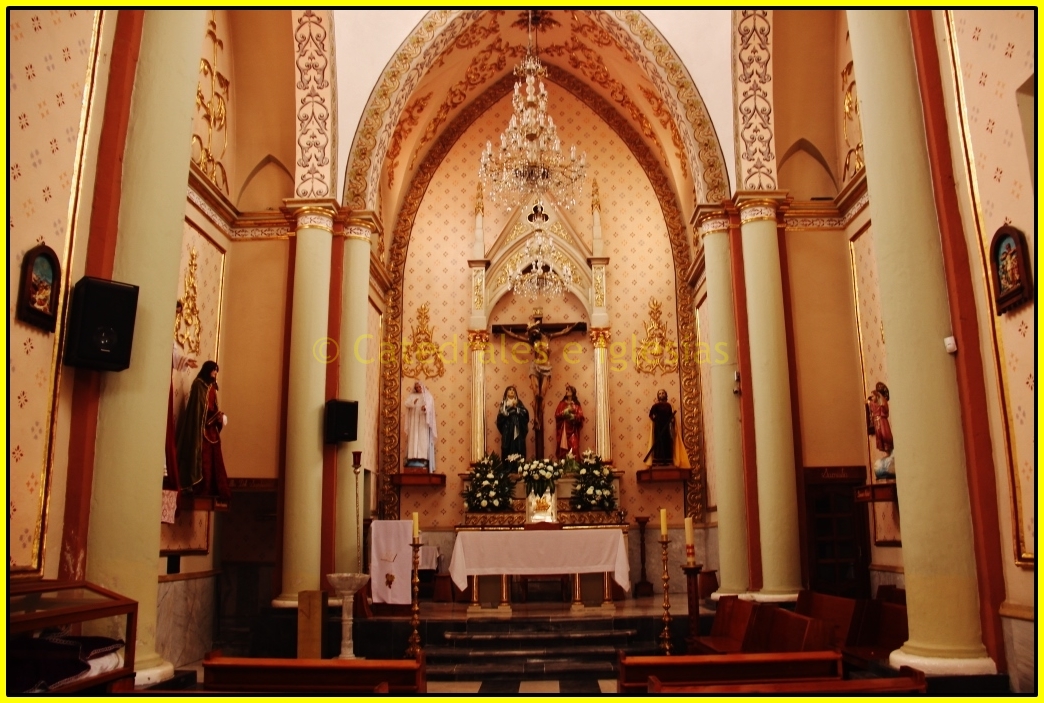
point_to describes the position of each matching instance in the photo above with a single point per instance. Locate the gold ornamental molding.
(213, 103)
(656, 352)
(600, 336)
(852, 125)
(420, 356)
(391, 379)
(187, 328)
(314, 174)
(752, 86)
(478, 340)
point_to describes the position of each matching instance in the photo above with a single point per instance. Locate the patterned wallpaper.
(49, 56)
(640, 268)
(872, 352)
(190, 531)
(997, 53)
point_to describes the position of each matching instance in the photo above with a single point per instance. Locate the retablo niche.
(101, 324)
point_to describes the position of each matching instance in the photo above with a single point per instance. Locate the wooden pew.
(731, 625)
(908, 681)
(266, 675)
(878, 629)
(779, 630)
(835, 611)
(634, 671)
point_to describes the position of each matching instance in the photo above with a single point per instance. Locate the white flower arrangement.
(594, 488)
(540, 475)
(491, 485)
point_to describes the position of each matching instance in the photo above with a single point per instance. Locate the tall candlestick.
(416, 526)
(690, 544)
(663, 522)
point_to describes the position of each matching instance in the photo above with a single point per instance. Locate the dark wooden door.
(838, 538)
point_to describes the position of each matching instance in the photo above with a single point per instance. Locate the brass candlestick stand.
(414, 649)
(665, 636)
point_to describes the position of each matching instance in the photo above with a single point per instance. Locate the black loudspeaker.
(101, 324)
(341, 423)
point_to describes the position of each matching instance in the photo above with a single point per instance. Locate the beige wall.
(826, 349)
(805, 77)
(252, 341)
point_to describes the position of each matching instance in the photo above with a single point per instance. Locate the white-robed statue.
(420, 428)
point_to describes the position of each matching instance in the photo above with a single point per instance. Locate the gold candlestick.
(665, 636)
(414, 649)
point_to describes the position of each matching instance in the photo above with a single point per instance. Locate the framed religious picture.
(1009, 269)
(39, 288)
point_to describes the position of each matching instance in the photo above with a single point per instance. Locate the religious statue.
(420, 428)
(538, 336)
(569, 418)
(200, 462)
(513, 423)
(179, 361)
(878, 404)
(665, 442)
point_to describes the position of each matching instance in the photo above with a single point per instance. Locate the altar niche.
(537, 336)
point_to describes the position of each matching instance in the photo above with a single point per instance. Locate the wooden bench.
(835, 611)
(732, 622)
(779, 630)
(877, 630)
(908, 681)
(705, 669)
(265, 675)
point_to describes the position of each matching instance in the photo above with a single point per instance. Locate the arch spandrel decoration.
(358, 189)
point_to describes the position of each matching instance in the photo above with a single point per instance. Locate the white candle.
(416, 526)
(663, 521)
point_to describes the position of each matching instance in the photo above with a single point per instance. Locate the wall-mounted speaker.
(341, 423)
(101, 324)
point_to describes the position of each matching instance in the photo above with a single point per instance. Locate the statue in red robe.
(200, 463)
(569, 418)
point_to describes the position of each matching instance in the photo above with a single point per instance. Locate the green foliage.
(594, 488)
(491, 485)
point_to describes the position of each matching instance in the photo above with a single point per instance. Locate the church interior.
(756, 282)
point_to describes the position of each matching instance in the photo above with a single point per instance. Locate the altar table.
(539, 552)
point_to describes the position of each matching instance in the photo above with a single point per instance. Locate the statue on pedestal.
(513, 423)
(665, 442)
(569, 418)
(420, 428)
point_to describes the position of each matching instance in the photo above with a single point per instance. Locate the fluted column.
(600, 337)
(712, 226)
(931, 477)
(478, 342)
(770, 384)
(306, 395)
(356, 352)
(124, 538)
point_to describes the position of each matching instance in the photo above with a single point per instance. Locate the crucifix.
(538, 334)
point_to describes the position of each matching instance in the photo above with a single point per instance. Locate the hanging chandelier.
(539, 269)
(530, 161)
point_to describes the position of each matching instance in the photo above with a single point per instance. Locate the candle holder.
(414, 649)
(665, 636)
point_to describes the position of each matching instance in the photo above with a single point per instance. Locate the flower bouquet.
(540, 475)
(594, 488)
(491, 485)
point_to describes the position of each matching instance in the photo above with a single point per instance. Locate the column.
(600, 337)
(712, 226)
(770, 384)
(306, 395)
(478, 342)
(932, 480)
(124, 538)
(356, 353)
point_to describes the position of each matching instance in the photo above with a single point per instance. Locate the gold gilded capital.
(600, 336)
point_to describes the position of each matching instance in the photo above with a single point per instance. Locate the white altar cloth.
(536, 552)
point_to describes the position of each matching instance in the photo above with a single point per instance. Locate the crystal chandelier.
(530, 162)
(539, 269)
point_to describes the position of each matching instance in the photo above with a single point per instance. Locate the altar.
(507, 553)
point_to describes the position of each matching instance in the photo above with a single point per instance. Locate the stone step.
(487, 640)
(538, 624)
(530, 669)
(444, 655)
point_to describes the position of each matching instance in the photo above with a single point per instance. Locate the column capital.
(600, 336)
(478, 339)
(479, 264)
(760, 204)
(313, 213)
(709, 218)
(361, 224)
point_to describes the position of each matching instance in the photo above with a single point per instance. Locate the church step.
(538, 624)
(443, 654)
(531, 669)
(487, 640)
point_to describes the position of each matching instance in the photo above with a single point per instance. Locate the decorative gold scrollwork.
(421, 357)
(187, 328)
(656, 351)
(853, 134)
(215, 111)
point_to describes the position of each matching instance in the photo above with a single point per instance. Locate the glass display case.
(36, 606)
